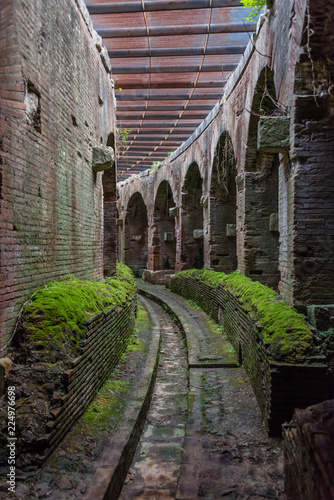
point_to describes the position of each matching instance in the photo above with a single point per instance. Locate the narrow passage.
(157, 463)
(218, 448)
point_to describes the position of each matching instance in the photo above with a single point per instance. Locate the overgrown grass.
(283, 329)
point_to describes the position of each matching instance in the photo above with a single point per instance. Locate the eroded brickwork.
(308, 453)
(283, 206)
(279, 386)
(56, 105)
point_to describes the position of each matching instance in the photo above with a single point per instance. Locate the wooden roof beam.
(159, 5)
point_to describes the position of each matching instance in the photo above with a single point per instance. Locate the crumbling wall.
(53, 393)
(279, 386)
(277, 109)
(308, 453)
(57, 104)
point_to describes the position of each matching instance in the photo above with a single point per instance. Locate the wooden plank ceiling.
(170, 61)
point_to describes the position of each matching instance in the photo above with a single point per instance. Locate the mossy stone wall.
(278, 386)
(59, 368)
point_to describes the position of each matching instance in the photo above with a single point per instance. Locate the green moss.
(104, 411)
(283, 329)
(58, 312)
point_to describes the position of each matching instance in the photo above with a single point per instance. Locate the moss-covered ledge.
(71, 335)
(287, 336)
(274, 343)
(58, 316)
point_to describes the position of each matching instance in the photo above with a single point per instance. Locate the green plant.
(122, 136)
(155, 166)
(284, 330)
(257, 6)
(57, 313)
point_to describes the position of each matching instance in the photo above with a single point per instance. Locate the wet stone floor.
(209, 444)
(156, 466)
(203, 436)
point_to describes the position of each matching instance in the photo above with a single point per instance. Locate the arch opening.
(135, 237)
(223, 248)
(262, 191)
(192, 255)
(163, 230)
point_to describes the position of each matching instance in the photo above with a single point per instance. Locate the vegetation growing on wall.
(58, 312)
(282, 328)
(257, 6)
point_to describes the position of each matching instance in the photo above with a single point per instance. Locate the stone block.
(273, 134)
(138, 238)
(204, 201)
(103, 158)
(231, 230)
(321, 316)
(198, 234)
(174, 212)
(168, 236)
(273, 222)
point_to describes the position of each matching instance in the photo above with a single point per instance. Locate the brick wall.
(53, 396)
(313, 161)
(278, 387)
(308, 453)
(56, 105)
(294, 183)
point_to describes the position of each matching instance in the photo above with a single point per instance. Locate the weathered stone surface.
(168, 237)
(321, 317)
(103, 158)
(198, 234)
(309, 453)
(205, 201)
(273, 222)
(231, 230)
(174, 212)
(137, 237)
(274, 134)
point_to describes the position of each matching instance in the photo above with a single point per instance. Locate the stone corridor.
(181, 143)
(203, 435)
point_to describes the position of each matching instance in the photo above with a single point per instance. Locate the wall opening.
(261, 192)
(32, 100)
(223, 248)
(136, 231)
(192, 255)
(109, 218)
(163, 230)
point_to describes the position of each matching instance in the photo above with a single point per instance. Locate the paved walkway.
(156, 466)
(203, 437)
(226, 452)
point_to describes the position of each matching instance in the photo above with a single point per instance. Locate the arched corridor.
(135, 234)
(182, 151)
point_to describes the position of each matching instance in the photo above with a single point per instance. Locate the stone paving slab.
(205, 345)
(117, 455)
(227, 453)
(156, 466)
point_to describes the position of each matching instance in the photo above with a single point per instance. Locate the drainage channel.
(157, 462)
(226, 451)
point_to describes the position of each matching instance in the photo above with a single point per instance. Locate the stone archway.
(163, 230)
(135, 234)
(260, 188)
(223, 251)
(192, 254)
